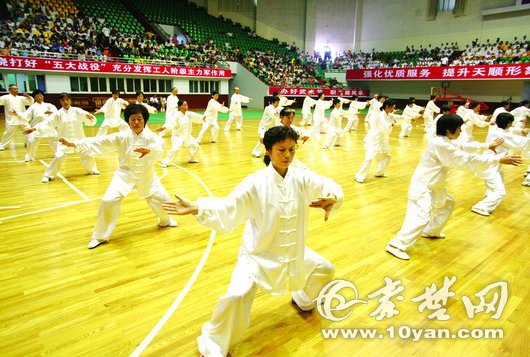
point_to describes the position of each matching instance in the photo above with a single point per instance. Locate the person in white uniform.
(284, 102)
(493, 176)
(37, 113)
(377, 144)
(307, 115)
(375, 107)
(268, 119)
(14, 103)
(67, 123)
(273, 255)
(112, 111)
(138, 148)
(211, 114)
(181, 127)
(236, 113)
(140, 100)
(352, 113)
(428, 115)
(429, 205)
(334, 132)
(521, 115)
(171, 108)
(409, 115)
(320, 122)
(472, 118)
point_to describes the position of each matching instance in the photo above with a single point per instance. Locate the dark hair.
(336, 101)
(388, 103)
(115, 91)
(37, 91)
(413, 99)
(11, 86)
(353, 97)
(433, 96)
(275, 93)
(474, 105)
(180, 102)
(274, 99)
(277, 134)
(64, 95)
(214, 92)
(138, 93)
(504, 120)
(135, 109)
(505, 103)
(320, 94)
(286, 111)
(410, 101)
(449, 122)
(445, 108)
(524, 102)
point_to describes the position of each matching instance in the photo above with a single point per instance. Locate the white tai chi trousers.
(231, 118)
(176, 143)
(214, 129)
(495, 190)
(232, 313)
(53, 168)
(383, 160)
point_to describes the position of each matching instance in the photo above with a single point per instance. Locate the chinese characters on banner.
(330, 92)
(63, 65)
(491, 72)
(332, 304)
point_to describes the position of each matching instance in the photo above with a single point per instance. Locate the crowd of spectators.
(448, 54)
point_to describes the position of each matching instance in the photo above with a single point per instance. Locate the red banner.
(63, 65)
(330, 92)
(497, 71)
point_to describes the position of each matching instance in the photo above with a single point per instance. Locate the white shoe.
(2, 148)
(398, 253)
(163, 165)
(359, 180)
(526, 183)
(193, 161)
(256, 156)
(526, 174)
(94, 172)
(439, 236)
(480, 211)
(45, 179)
(170, 223)
(227, 130)
(94, 243)
(28, 158)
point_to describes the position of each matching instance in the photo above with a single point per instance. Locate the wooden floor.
(60, 299)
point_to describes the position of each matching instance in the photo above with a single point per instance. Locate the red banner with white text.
(488, 72)
(65, 65)
(330, 92)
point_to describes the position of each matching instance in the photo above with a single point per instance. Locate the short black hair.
(138, 93)
(504, 120)
(505, 103)
(274, 99)
(474, 105)
(388, 103)
(445, 108)
(64, 95)
(353, 97)
(277, 134)
(449, 122)
(214, 92)
(115, 91)
(336, 101)
(286, 111)
(37, 91)
(135, 109)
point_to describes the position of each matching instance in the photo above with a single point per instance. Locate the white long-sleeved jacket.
(17, 103)
(276, 213)
(235, 104)
(212, 111)
(133, 170)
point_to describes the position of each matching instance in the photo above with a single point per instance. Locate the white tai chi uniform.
(171, 110)
(307, 116)
(428, 115)
(36, 114)
(520, 115)
(69, 124)
(17, 103)
(377, 144)
(273, 255)
(493, 119)
(495, 190)
(375, 106)
(181, 127)
(352, 115)
(429, 205)
(236, 111)
(320, 122)
(334, 133)
(406, 127)
(268, 119)
(112, 110)
(132, 172)
(211, 114)
(150, 109)
(470, 120)
(284, 102)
